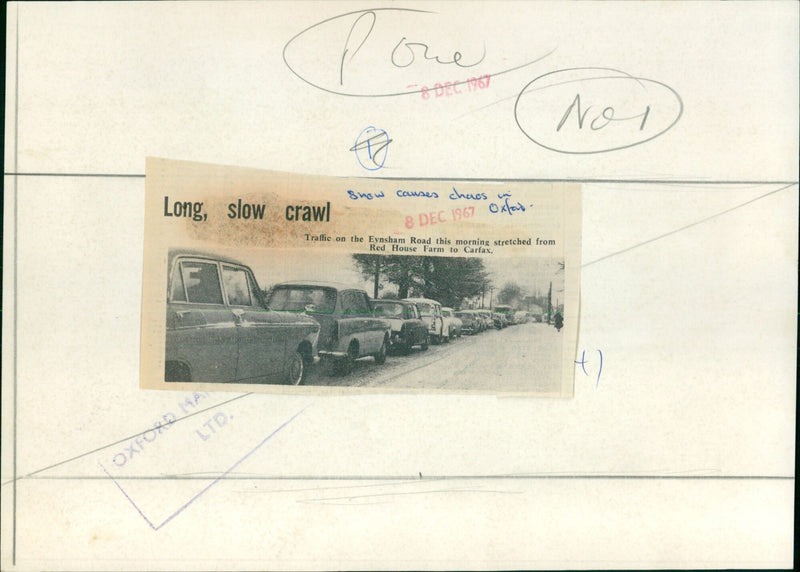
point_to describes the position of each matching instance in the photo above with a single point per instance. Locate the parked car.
(452, 324)
(500, 320)
(431, 313)
(349, 329)
(219, 330)
(408, 329)
(506, 312)
(487, 319)
(471, 321)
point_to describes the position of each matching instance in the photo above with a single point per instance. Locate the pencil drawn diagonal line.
(690, 225)
(210, 485)
(123, 440)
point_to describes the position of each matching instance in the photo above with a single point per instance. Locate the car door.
(417, 329)
(438, 319)
(354, 315)
(261, 338)
(201, 342)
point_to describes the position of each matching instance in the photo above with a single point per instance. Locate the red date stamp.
(451, 88)
(431, 218)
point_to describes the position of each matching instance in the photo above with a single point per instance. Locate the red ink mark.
(451, 88)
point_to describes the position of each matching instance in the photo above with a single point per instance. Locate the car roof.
(192, 253)
(320, 284)
(424, 300)
(379, 300)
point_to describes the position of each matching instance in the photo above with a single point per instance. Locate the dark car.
(503, 316)
(349, 329)
(219, 330)
(408, 329)
(471, 321)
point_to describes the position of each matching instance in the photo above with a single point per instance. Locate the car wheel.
(380, 357)
(344, 365)
(297, 369)
(424, 344)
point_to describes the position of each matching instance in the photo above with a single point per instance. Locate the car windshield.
(425, 309)
(446, 313)
(389, 309)
(302, 298)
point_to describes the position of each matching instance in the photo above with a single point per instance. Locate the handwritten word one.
(354, 53)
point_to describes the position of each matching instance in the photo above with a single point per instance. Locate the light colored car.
(486, 317)
(431, 313)
(349, 328)
(219, 330)
(452, 323)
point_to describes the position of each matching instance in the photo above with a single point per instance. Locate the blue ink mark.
(600, 370)
(456, 195)
(503, 195)
(355, 195)
(583, 363)
(423, 194)
(204, 490)
(506, 207)
(376, 144)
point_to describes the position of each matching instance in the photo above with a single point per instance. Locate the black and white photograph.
(365, 320)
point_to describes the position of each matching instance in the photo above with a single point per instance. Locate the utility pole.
(377, 275)
(550, 302)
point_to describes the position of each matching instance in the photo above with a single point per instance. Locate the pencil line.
(408, 478)
(16, 281)
(479, 179)
(690, 225)
(232, 467)
(117, 442)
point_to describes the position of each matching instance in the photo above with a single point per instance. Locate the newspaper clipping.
(278, 282)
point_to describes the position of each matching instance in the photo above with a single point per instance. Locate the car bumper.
(332, 354)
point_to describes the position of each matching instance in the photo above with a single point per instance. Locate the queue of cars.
(220, 328)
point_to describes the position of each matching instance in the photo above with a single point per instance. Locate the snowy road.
(525, 357)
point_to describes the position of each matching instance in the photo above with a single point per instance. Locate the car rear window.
(236, 287)
(425, 309)
(391, 309)
(297, 299)
(202, 282)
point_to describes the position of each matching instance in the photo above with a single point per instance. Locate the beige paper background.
(681, 455)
